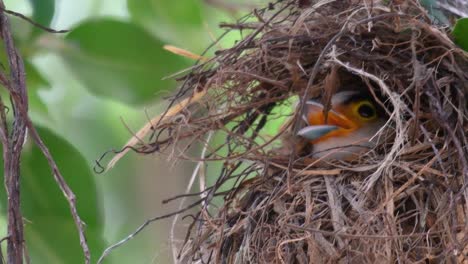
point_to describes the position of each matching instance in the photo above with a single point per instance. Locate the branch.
(12, 147)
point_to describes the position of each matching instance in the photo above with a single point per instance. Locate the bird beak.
(336, 125)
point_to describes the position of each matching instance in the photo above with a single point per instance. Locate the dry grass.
(404, 201)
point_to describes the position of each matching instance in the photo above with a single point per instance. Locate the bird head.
(350, 124)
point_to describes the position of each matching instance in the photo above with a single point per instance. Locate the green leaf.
(51, 235)
(120, 60)
(43, 11)
(175, 21)
(460, 33)
(436, 15)
(34, 82)
(177, 12)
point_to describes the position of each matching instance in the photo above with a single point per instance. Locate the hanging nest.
(405, 200)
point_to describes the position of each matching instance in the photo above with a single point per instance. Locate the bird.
(349, 130)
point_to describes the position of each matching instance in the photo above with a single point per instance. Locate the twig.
(66, 190)
(108, 250)
(34, 23)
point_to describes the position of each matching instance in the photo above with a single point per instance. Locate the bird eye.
(366, 110)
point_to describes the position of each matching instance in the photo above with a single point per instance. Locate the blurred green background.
(85, 87)
(82, 84)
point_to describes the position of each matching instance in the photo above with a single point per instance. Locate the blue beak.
(314, 132)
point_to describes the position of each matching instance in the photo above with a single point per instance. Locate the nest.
(403, 201)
